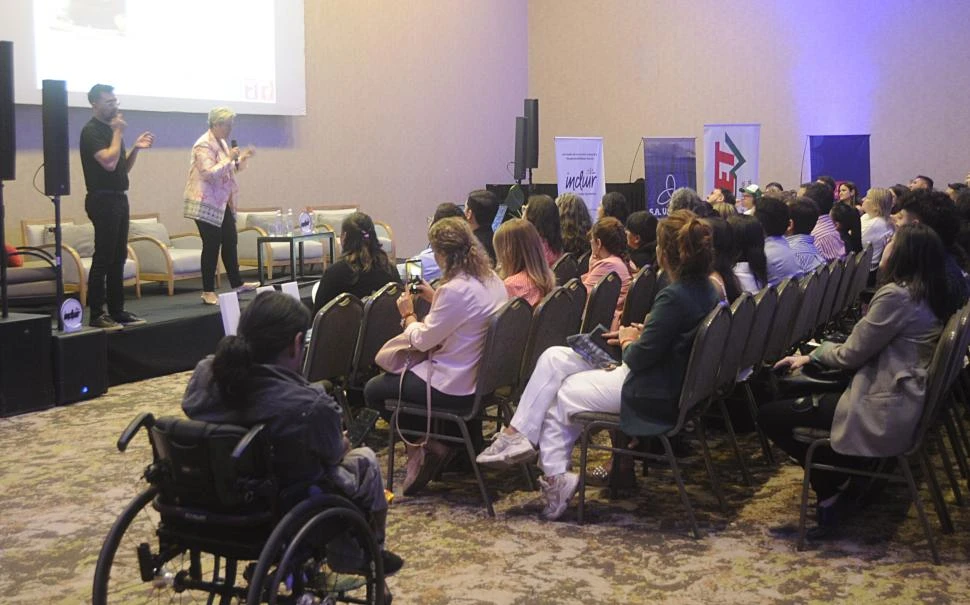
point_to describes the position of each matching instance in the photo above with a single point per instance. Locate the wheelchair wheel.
(323, 552)
(133, 569)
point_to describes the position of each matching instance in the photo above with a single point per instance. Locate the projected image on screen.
(184, 48)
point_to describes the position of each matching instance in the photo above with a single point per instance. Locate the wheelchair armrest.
(144, 419)
(243, 445)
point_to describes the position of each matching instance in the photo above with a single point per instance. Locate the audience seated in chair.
(521, 263)
(430, 271)
(725, 281)
(641, 238)
(542, 212)
(803, 213)
(609, 254)
(643, 389)
(773, 215)
(254, 377)
(751, 267)
(575, 223)
(480, 210)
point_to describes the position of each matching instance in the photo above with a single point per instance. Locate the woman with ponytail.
(364, 267)
(643, 389)
(609, 253)
(254, 378)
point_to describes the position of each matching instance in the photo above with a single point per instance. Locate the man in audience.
(430, 270)
(749, 198)
(954, 189)
(772, 213)
(827, 180)
(614, 204)
(774, 187)
(480, 210)
(722, 195)
(921, 182)
(804, 215)
(827, 239)
(641, 238)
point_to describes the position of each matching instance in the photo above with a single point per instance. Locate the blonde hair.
(460, 251)
(519, 248)
(882, 200)
(220, 115)
(725, 210)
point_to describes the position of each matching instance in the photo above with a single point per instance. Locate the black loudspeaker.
(521, 126)
(532, 133)
(80, 362)
(57, 171)
(8, 141)
(25, 364)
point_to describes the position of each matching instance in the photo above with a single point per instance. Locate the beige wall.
(408, 104)
(624, 69)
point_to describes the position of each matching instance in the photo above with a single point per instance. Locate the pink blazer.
(600, 268)
(211, 184)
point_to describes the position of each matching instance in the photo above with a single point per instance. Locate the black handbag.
(812, 377)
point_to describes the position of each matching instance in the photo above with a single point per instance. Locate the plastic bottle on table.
(278, 224)
(289, 221)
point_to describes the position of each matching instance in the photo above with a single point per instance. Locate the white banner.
(730, 156)
(580, 169)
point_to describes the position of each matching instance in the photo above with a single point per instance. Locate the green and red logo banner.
(731, 156)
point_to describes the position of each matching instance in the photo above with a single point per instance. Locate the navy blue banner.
(843, 157)
(669, 164)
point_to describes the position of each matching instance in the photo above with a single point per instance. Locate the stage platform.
(180, 330)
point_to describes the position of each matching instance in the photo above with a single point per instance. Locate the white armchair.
(163, 257)
(258, 222)
(330, 217)
(77, 252)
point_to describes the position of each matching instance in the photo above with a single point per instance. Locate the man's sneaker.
(105, 322)
(507, 450)
(558, 490)
(127, 318)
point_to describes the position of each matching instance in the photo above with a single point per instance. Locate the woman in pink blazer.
(609, 253)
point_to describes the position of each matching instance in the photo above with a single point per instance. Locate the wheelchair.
(213, 526)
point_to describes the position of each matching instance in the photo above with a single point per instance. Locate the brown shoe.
(424, 463)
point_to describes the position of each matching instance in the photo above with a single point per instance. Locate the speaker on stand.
(57, 172)
(8, 148)
(531, 110)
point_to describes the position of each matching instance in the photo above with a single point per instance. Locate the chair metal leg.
(914, 492)
(709, 464)
(948, 469)
(806, 486)
(695, 530)
(390, 453)
(583, 459)
(753, 410)
(955, 444)
(734, 443)
(470, 449)
(962, 431)
(936, 493)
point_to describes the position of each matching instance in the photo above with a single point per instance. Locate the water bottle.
(289, 221)
(278, 225)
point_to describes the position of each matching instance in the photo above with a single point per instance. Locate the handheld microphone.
(233, 145)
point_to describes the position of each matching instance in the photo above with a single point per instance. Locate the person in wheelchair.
(254, 377)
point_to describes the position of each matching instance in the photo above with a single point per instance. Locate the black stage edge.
(179, 332)
(634, 192)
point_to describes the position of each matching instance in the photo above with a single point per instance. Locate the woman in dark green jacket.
(647, 382)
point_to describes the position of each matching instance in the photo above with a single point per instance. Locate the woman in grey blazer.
(890, 349)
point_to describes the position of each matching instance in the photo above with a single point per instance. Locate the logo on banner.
(726, 164)
(582, 182)
(670, 185)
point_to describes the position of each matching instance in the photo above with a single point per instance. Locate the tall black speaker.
(80, 364)
(25, 364)
(8, 141)
(521, 126)
(532, 135)
(57, 171)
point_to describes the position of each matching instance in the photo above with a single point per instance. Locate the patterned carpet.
(62, 483)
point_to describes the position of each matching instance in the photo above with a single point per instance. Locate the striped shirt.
(827, 238)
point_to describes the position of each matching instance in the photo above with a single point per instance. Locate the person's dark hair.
(361, 247)
(729, 197)
(924, 178)
(614, 204)
(774, 185)
(957, 187)
(849, 224)
(917, 263)
(899, 190)
(725, 255)
(773, 214)
(821, 195)
(94, 94)
(575, 222)
(827, 180)
(749, 239)
(444, 210)
(484, 206)
(962, 204)
(686, 245)
(612, 235)
(804, 215)
(542, 212)
(643, 225)
(936, 210)
(267, 326)
(852, 189)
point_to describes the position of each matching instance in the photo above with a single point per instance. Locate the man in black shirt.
(106, 167)
(480, 211)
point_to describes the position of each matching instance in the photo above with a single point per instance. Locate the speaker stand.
(3, 257)
(58, 267)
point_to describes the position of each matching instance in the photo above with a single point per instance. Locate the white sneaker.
(558, 490)
(507, 450)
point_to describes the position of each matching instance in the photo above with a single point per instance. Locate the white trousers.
(563, 384)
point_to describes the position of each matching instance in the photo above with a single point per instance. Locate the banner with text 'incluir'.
(730, 156)
(669, 163)
(580, 168)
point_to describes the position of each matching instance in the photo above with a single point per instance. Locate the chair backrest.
(639, 298)
(577, 294)
(194, 467)
(861, 274)
(552, 321)
(601, 305)
(826, 309)
(333, 341)
(505, 342)
(845, 286)
(381, 322)
(742, 316)
(765, 301)
(705, 358)
(811, 290)
(947, 361)
(582, 263)
(565, 268)
(788, 300)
